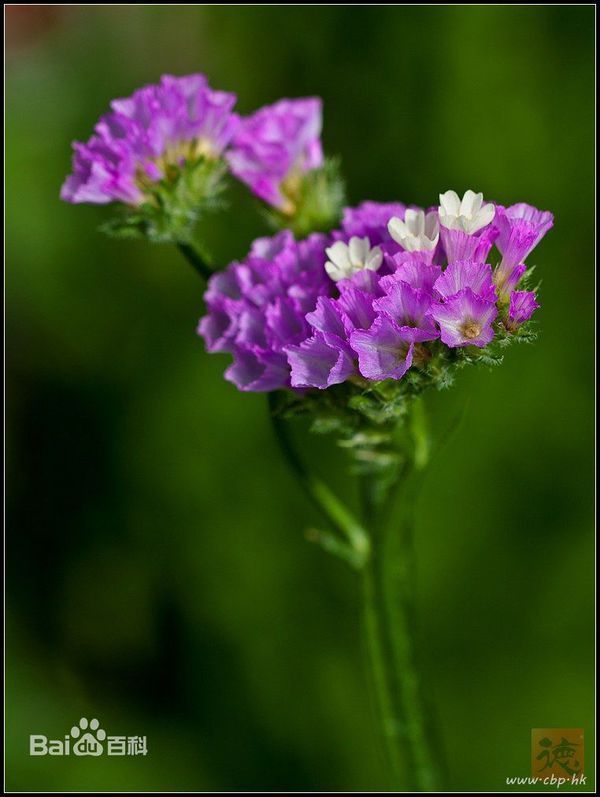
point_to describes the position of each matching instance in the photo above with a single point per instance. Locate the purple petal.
(467, 274)
(384, 350)
(520, 228)
(285, 323)
(465, 319)
(371, 219)
(275, 141)
(258, 372)
(316, 363)
(414, 271)
(328, 317)
(218, 329)
(408, 307)
(522, 306)
(459, 245)
(357, 307)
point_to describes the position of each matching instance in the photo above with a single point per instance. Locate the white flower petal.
(334, 271)
(432, 225)
(450, 203)
(397, 229)
(375, 259)
(358, 249)
(338, 254)
(486, 215)
(470, 204)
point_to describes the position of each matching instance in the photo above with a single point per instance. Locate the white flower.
(417, 232)
(347, 259)
(468, 215)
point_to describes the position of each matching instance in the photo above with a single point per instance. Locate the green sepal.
(174, 204)
(316, 199)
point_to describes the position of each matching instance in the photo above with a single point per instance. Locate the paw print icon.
(88, 737)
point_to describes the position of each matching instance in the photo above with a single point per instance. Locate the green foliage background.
(158, 577)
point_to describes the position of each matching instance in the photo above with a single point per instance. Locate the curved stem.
(334, 510)
(195, 259)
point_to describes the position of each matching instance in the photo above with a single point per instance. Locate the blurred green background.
(158, 577)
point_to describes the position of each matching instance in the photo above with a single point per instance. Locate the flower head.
(522, 306)
(465, 226)
(160, 128)
(275, 146)
(468, 214)
(417, 232)
(520, 228)
(465, 319)
(347, 259)
(335, 308)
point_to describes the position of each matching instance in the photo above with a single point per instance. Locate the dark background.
(158, 577)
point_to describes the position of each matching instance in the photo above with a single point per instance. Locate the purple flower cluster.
(258, 307)
(382, 294)
(275, 146)
(180, 120)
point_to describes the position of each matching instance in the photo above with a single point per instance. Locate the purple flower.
(257, 371)
(415, 272)
(459, 245)
(522, 306)
(316, 363)
(289, 325)
(385, 350)
(366, 281)
(465, 319)
(357, 307)
(257, 308)
(467, 274)
(220, 326)
(176, 121)
(520, 228)
(466, 226)
(329, 319)
(275, 146)
(507, 279)
(409, 308)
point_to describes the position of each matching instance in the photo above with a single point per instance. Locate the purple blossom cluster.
(180, 120)
(375, 298)
(258, 307)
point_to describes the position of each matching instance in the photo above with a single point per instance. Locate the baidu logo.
(87, 738)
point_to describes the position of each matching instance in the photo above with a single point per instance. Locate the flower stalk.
(195, 259)
(389, 610)
(380, 547)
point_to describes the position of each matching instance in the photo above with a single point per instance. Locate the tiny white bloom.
(468, 214)
(418, 231)
(346, 259)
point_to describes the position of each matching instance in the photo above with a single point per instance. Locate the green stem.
(384, 554)
(389, 592)
(195, 259)
(334, 510)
